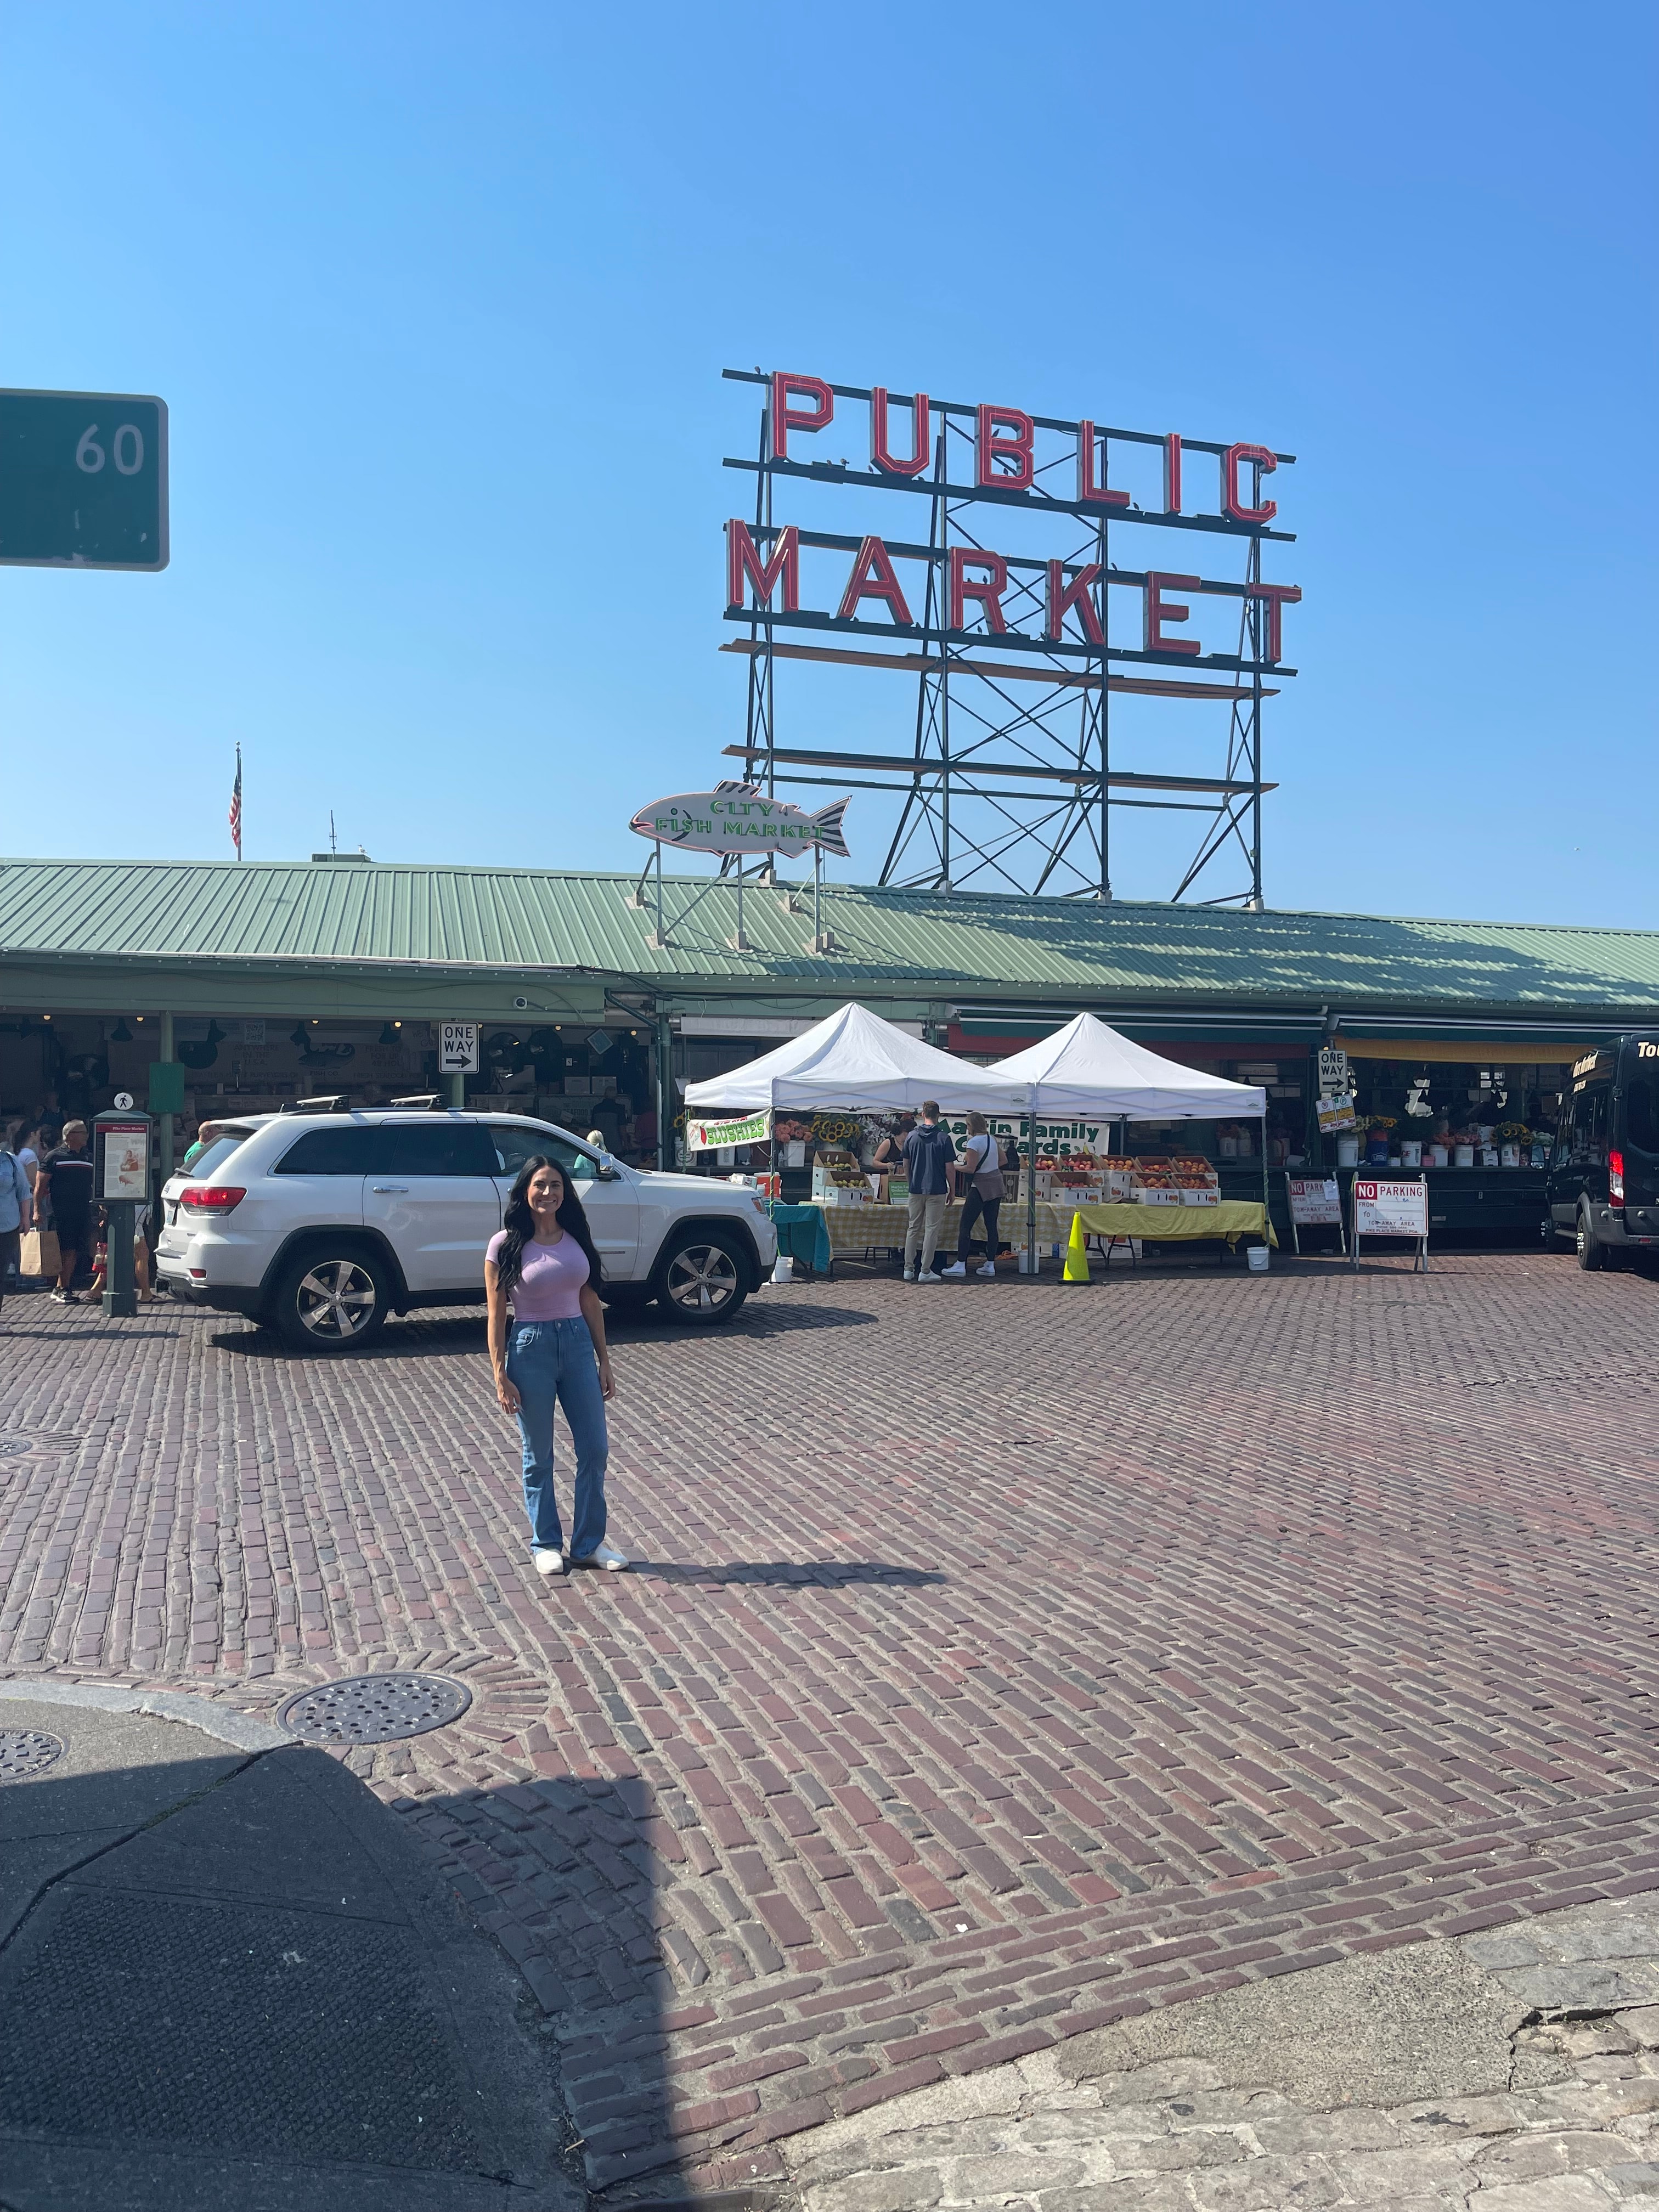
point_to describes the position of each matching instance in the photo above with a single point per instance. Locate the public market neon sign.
(1067, 598)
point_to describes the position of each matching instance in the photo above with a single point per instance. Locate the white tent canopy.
(1088, 1068)
(855, 1060)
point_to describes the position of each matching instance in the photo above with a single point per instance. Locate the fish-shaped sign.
(737, 817)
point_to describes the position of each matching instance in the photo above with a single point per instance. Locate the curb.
(223, 1721)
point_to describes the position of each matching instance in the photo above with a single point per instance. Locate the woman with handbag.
(980, 1168)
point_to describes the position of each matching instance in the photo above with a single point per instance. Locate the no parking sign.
(1392, 1209)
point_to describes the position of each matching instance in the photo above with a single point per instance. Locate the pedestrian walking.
(551, 1350)
(929, 1154)
(65, 1178)
(16, 1214)
(980, 1166)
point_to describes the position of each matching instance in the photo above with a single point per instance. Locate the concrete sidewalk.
(227, 1977)
(1513, 2071)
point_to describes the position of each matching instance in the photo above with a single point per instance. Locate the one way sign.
(458, 1048)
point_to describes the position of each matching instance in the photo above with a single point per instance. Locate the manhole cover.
(14, 1447)
(374, 1708)
(27, 1751)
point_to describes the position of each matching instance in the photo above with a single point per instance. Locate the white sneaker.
(548, 1562)
(603, 1555)
(928, 1276)
(910, 1274)
(958, 1273)
(989, 1268)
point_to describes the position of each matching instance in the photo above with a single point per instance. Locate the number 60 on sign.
(83, 480)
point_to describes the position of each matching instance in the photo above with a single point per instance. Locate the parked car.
(322, 1223)
(1604, 1172)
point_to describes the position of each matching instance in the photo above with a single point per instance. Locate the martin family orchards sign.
(1021, 460)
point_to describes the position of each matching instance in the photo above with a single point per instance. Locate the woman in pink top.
(552, 1352)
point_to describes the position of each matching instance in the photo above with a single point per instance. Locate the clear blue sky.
(439, 297)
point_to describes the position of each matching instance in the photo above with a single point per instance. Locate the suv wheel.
(703, 1277)
(334, 1298)
(1592, 1254)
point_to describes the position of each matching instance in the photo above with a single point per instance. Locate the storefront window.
(1494, 1103)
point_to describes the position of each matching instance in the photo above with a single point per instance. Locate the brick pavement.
(1192, 1628)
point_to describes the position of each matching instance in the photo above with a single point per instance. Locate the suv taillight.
(1615, 1178)
(211, 1197)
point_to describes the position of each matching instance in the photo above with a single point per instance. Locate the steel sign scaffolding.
(1010, 781)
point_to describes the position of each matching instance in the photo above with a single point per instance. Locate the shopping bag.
(39, 1255)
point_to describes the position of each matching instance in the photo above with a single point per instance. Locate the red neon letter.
(1160, 611)
(872, 578)
(888, 463)
(786, 418)
(991, 448)
(989, 592)
(1091, 494)
(742, 561)
(1229, 498)
(1276, 595)
(1078, 594)
(1172, 473)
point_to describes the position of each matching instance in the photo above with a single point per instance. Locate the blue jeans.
(550, 1362)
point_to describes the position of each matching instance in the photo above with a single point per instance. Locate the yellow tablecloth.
(855, 1228)
(1233, 1218)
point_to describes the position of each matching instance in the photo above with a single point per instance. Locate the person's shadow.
(825, 1574)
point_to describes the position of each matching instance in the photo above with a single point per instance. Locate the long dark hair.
(519, 1223)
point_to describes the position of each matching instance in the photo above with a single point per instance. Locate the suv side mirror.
(605, 1169)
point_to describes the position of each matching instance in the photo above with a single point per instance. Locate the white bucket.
(785, 1270)
(1256, 1258)
(1347, 1151)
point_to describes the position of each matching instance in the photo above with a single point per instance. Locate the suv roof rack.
(430, 1101)
(337, 1103)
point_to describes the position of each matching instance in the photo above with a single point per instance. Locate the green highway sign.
(83, 480)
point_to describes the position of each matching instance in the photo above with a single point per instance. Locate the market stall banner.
(716, 1136)
(1315, 1202)
(1390, 1209)
(1058, 1138)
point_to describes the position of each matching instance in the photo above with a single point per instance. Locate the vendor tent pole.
(1030, 1187)
(1267, 1215)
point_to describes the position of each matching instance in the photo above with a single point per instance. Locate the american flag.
(236, 806)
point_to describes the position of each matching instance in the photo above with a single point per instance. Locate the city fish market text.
(737, 818)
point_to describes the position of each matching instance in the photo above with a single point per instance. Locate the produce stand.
(1089, 1068)
(1228, 1221)
(851, 1062)
(856, 1228)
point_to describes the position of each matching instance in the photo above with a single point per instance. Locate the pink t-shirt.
(550, 1288)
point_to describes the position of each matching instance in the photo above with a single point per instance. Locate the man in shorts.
(66, 1173)
(16, 1211)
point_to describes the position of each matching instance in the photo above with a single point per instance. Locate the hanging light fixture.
(388, 1032)
(121, 1034)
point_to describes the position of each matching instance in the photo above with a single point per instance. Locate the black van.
(1604, 1173)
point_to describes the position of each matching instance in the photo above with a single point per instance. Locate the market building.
(211, 989)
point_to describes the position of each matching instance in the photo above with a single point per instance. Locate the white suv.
(321, 1224)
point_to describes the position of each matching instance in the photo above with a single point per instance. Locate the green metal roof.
(161, 913)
